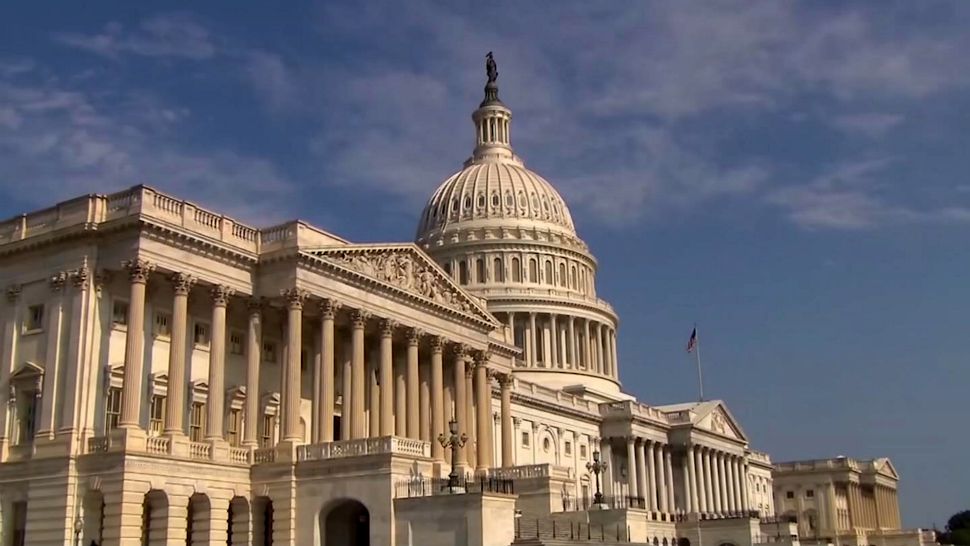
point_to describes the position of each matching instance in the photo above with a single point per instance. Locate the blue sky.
(789, 175)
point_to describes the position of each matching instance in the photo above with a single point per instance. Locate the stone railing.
(264, 455)
(239, 455)
(91, 210)
(99, 444)
(158, 444)
(200, 450)
(561, 294)
(820, 464)
(523, 472)
(558, 397)
(364, 446)
(630, 408)
(759, 457)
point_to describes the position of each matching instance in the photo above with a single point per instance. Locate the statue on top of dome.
(491, 69)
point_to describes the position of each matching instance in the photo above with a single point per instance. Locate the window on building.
(269, 351)
(462, 272)
(119, 313)
(34, 321)
(582, 451)
(480, 270)
(810, 493)
(533, 270)
(568, 448)
(562, 274)
(267, 431)
(546, 444)
(236, 343)
(112, 409)
(550, 278)
(163, 324)
(525, 439)
(585, 491)
(498, 273)
(197, 422)
(572, 273)
(516, 270)
(789, 494)
(201, 334)
(27, 422)
(233, 427)
(156, 418)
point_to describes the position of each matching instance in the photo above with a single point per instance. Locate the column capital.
(255, 305)
(328, 308)
(80, 276)
(437, 344)
(13, 292)
(505, 380)
(481, 358)
(359, 318)
(138, 270)
(57, 281)
(220, 295)
(460, 350)
(414, 335)
(294, 297)
(182, 283)
(387, 327)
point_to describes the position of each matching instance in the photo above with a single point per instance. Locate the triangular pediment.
(885, 467)
(27, 370)
(715, 417)
(405, 267)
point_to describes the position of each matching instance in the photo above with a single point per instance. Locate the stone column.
(709, 481)
(699, 476)
(400, 395)
(642, 474)
(570, 355)
(413, 414)
(483, 397)
(745, 499)
(505, 382)
(346, 387)
(424, 403)
(729, 483)
(328, 309)
(471, 418)
(606, 455)
(616, 359)
(669, 479)
(294, 345)
(717, 479)
(357, 377)
(738, 484)
(437, 396)
(533, 353)
(654, 482)
(460, 394)
(11, 331)
(386, 379)
(554, 360)
(598, 354)
(53, 369)
(691, 477)
(587, 354)
(175, 398)
(75, 369)
(217, 364)
(631, 467)
(662, 479)
(131, 388)
(253, 353)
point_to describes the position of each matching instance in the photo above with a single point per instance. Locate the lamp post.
(596, 466)
(455, 442)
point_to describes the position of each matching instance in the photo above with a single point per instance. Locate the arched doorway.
(197, 520)
(238, 522)
(154, 528)
(262, 521)
(93, 504)
(347, 523)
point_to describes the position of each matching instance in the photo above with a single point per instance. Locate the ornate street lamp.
(455, 442)
(596, 466)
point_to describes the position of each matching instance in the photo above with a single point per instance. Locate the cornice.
(551, 406)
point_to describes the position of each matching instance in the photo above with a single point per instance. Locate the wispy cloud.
(868, 123)
(176, 35)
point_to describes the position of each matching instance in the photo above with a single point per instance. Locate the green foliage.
(957, 530)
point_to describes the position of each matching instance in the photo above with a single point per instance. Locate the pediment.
(720, 421)
(27, 370)
(885, 467)
(407, 268)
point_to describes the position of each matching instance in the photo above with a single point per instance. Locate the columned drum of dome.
(506, 235)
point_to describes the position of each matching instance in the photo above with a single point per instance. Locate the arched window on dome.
(582, 280)
(562, 274)
(516, 270)
(462, 272)
(497, 270)
(573, 283)
(480, 270)
(533, 270)
(550, 277)
(448, 268)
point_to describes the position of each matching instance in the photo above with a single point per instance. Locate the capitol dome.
(505, 234)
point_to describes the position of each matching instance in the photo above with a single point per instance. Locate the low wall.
(472, 519)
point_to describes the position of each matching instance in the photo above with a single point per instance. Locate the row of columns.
(650, 473)
(567, 342)
(392, 412)
(716, 481)
(873, 508)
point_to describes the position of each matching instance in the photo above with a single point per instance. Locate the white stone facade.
(171, 375)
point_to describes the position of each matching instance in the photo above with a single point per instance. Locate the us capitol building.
(173, 376)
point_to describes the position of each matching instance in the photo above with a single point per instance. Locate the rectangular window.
(156, 415)
(233, 426)
(112, 409)
(28, 423)
(119, 313)
(201, 335)
(810, 493)
(236, 343)
(267, 431)
(269, 352)
(525, 439)
(789, 494)
(568, 448)
(34, 320)
(163, 324)
(582, 451)
(197, 422)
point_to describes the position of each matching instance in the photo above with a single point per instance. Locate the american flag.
(692, 342)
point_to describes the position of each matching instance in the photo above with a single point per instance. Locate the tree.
(958, 529)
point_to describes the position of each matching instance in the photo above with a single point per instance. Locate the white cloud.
(869, 124)
(175, 35)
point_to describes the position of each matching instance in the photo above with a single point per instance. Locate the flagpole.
(697, 357)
